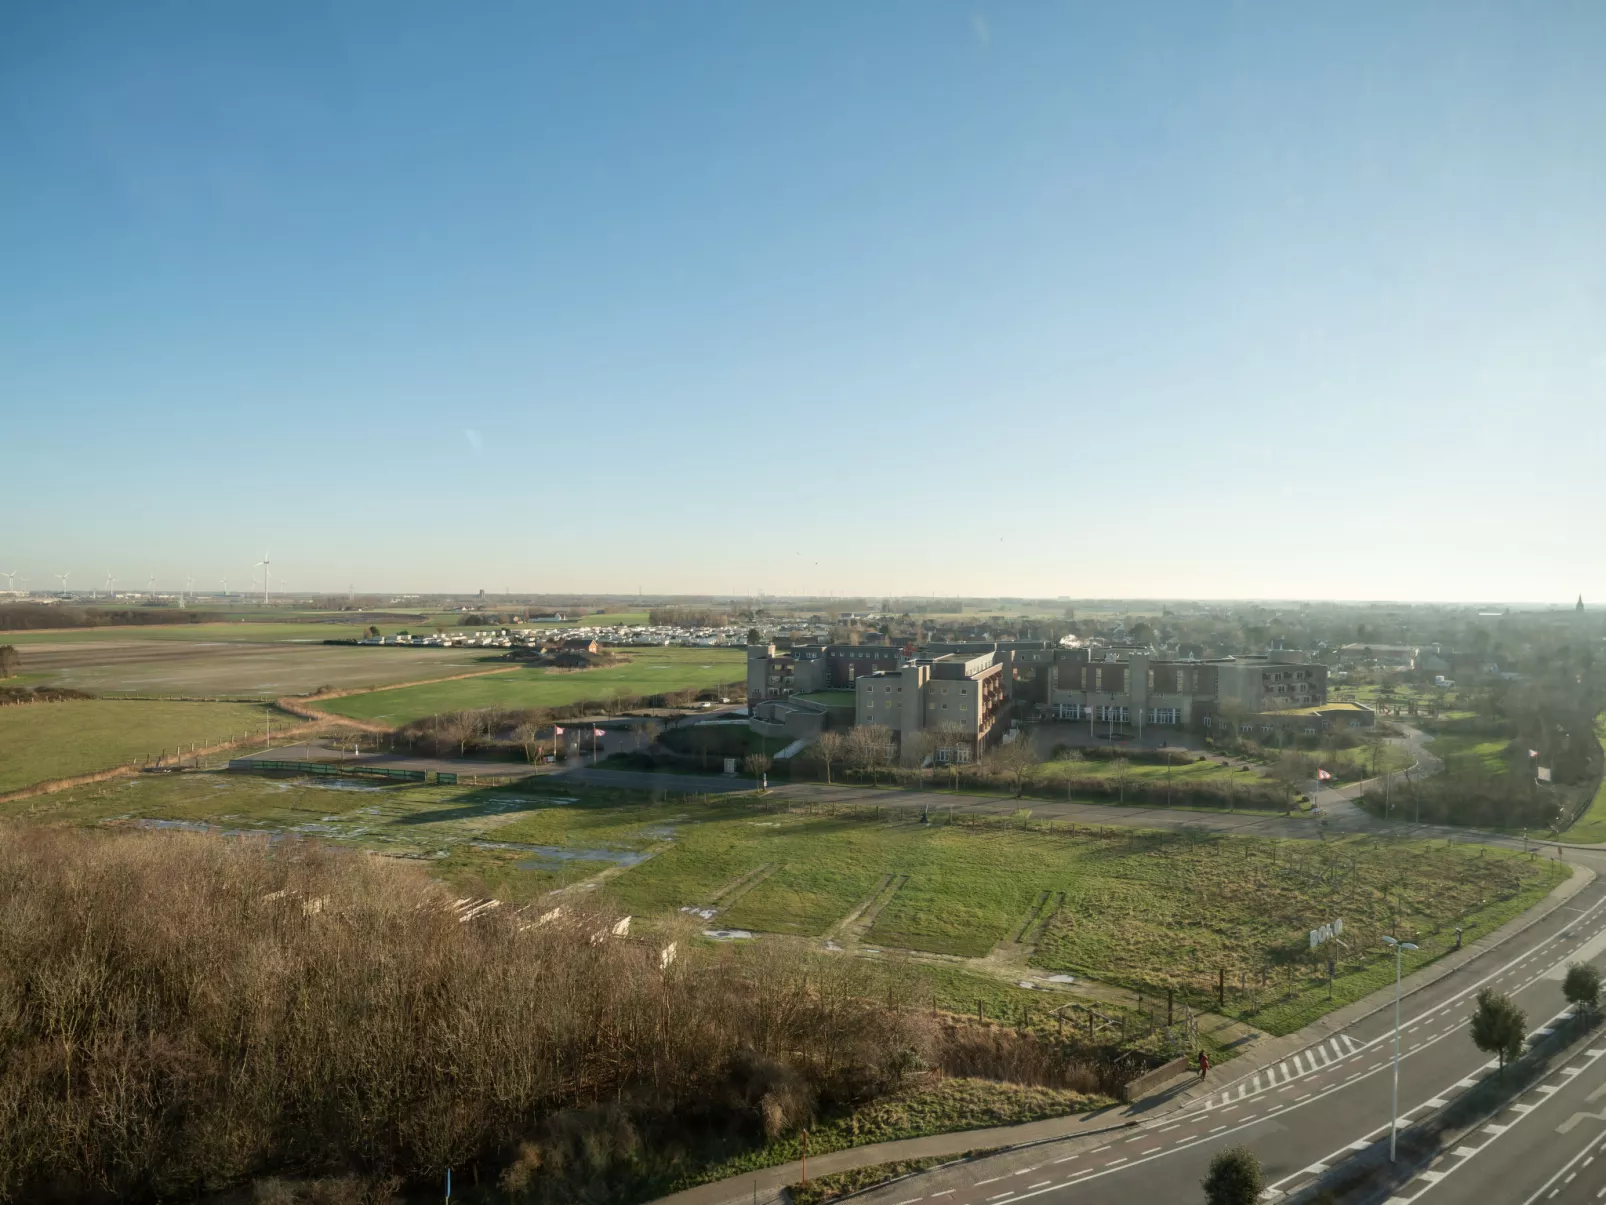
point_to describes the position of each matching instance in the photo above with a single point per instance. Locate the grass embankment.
(935, 1107)
(42, 741)
(648, 672)
(1590, 828)
(1471, 756)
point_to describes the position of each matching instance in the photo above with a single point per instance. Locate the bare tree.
(955, 740)
(1014, 759)
(529, 736)
(918, 748)
(1121, 775)
(831, 747)
(705, 740)
(1290, 771)
(757, 764)
(870, 748)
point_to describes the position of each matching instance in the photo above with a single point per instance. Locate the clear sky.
(1180, 300)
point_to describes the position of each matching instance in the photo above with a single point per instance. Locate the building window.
(1098, 679)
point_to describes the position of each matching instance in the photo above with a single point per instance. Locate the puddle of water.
(549, 857)
(727, 934)
(704, 913)
(188, 826)
(1062, 978)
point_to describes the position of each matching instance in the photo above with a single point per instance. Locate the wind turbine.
(111, 585)
(62, 578)
(263, 565)
(11, 580)
(225, 587)
(150, 587)
(189, 585)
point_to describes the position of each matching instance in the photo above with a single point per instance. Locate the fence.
(332, 769)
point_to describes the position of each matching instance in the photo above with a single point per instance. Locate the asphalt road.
(1317, 1106)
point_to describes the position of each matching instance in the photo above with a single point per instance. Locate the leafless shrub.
(174, 1019)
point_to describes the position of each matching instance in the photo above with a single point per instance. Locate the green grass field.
(648, 672)
(40, 741)
(1142, 911)
(1477, 756)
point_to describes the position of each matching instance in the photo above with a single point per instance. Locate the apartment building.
(1132, 689)
(775, 673)
(956, 697)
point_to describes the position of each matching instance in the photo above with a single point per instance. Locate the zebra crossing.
(1312, 1058)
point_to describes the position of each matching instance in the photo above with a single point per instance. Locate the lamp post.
(1394, 1121)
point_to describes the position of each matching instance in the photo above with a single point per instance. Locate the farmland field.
(40, 741)
(1135, 910)
(648, 672)
(168, 667)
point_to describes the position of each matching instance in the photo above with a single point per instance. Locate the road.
(1319, 1104)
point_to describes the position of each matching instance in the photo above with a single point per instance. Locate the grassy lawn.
(648, 672)
(1476, 756)
(40, 741)
(1145, 911)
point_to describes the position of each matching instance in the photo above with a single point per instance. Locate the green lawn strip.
(1590, 828)
(1027, 802)
(1475, 756)
(41, 741)
(941, 1107)
(857, 1179)
(648, 672)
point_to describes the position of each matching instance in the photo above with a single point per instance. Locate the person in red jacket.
(1204, 1064)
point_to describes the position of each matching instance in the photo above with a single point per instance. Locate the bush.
(1234, 1177)
(183, 1014)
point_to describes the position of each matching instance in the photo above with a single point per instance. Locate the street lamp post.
(1394, 1121)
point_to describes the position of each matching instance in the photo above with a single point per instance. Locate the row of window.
(1121, 715)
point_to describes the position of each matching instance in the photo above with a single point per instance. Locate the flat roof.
(1321, 709)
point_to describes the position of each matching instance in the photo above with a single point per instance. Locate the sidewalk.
(765, 1186)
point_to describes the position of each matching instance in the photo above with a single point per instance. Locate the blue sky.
(1053, 299)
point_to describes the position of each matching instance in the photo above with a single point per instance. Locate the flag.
(598, 732)
(1323, 775)
(1533, 753)
(556, 730)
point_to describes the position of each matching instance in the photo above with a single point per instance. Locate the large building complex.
(960, 693)
(1132, 687)
(958, 699)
